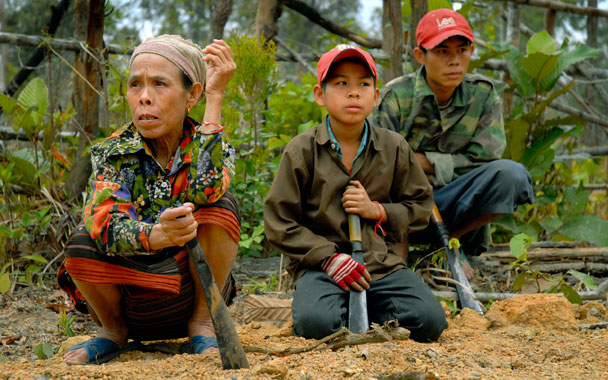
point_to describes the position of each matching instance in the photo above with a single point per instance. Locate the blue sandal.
(199, 343)
(99, 350)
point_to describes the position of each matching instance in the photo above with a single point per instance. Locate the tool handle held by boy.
(358, 321)
(231, 349)
(463, 288)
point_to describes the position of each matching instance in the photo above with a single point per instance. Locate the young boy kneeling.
(306, 211)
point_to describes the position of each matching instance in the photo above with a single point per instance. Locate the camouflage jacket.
(129, 189)
(465, 135)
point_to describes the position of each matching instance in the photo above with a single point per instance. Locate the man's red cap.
(339, 53)
(439, 25)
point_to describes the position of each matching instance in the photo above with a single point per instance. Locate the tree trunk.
(419, 9)
(513, 34)
(392, 38)
(550, 21)
(593, 135)
(85, 100)
(266, 19)
(220, 11)
(3, 48)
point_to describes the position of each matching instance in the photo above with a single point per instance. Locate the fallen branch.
(539, 254)
(599, 293)
(388, 332)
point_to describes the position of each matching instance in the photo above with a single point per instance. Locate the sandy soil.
(538, 336)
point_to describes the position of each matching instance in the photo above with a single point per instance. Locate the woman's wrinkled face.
(157, 97)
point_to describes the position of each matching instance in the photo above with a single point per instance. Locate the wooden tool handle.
(354, 223)
(231, 349)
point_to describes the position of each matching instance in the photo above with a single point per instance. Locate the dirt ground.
(539, 336)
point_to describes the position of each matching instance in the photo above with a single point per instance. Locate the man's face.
(446, 64)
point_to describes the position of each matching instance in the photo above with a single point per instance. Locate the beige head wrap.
(185, 54)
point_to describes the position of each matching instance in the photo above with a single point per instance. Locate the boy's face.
(350, 94)
(447, 63)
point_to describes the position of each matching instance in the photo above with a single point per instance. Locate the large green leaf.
(541, 42)
(570, 294)
(517, 134)
(551, 223)
(524, 82)
(539, 66)
(5, 283)
(532, 156)
(25, 172)
(568, 58)
(589, 228)
(574, 202)
(7, 103)
(35, 96)
(519, 245)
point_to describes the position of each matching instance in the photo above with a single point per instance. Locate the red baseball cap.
(339, 53)
(439, 25)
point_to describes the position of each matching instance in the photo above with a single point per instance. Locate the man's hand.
(177, 227)
(356, 201)
(346, 272)
(427, 167)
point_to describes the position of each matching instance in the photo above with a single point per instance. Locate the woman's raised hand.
(220, 67)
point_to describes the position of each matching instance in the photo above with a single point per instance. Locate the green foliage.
(541, 282)
(452, 306)
(534, 134)
(65, 324)
(5, 282)
(44, 351)
(245, 115)
(269, 285)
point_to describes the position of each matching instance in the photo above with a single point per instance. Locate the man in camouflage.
(454, 124)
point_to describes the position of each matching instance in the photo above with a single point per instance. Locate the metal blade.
(357, 304)
(463, 288)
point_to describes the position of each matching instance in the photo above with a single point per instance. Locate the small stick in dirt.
(388, 332)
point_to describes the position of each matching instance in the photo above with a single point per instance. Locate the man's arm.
(487, 142)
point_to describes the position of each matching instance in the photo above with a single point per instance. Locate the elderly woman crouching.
(156, 184)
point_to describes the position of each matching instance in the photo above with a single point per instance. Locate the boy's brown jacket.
(303, 214)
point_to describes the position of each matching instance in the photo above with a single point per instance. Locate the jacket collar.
(128, 140)
(460, 97)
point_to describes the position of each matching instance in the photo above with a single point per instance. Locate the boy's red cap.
(439, 25)
(339, 53)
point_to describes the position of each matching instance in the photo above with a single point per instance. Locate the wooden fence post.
(392, 38)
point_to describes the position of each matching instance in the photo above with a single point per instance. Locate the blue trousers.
(497, 187)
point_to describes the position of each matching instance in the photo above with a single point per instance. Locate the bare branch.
(314, 16)
(563, 7)
(295, 55)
